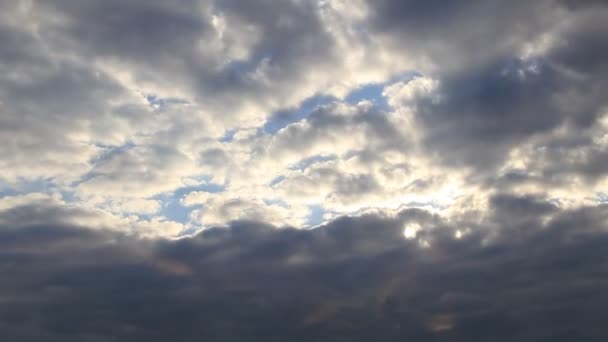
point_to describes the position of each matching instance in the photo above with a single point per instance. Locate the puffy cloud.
(40, 209)
(220, 208)
(118, 106)
(144, 171)
(440, 35)
(232, 58)
(527, 121)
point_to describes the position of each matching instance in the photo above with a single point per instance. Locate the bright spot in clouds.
(410, 230)
(458, 234)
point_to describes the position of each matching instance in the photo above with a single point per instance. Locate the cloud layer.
(303, 170)
(525, 271)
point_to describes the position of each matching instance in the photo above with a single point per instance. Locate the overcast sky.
(303, 170)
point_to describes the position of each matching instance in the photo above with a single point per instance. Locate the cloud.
(303, 170)
(221, 208)
(356, 278)
(113, 104)
(529, 119)
(145, 170)
(468, 34)
(231, 56)
(51, 209)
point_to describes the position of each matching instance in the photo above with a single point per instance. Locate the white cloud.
(127, 114)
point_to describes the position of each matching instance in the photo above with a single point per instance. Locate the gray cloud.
(139, 31)
(486, 110)
(328, 125)
(225, 55)
(443, 35)
(507, 73)
(353, 279)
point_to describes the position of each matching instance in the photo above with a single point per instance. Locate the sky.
(303, 170)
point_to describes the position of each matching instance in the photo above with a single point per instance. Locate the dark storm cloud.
(583, 4)
(486, 109)
(139, 30)
(583, 47)
(297, 25)
(177, 43)
(492, 98)
(17, 46)
(449, 34)
(355, 279)
(557, 162)
(483, 113)
(146, 31)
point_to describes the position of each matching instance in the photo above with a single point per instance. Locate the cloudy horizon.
(304, 170)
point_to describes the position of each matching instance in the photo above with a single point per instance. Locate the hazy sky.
(303, 170)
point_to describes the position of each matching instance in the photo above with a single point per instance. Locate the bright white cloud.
(162, 112)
